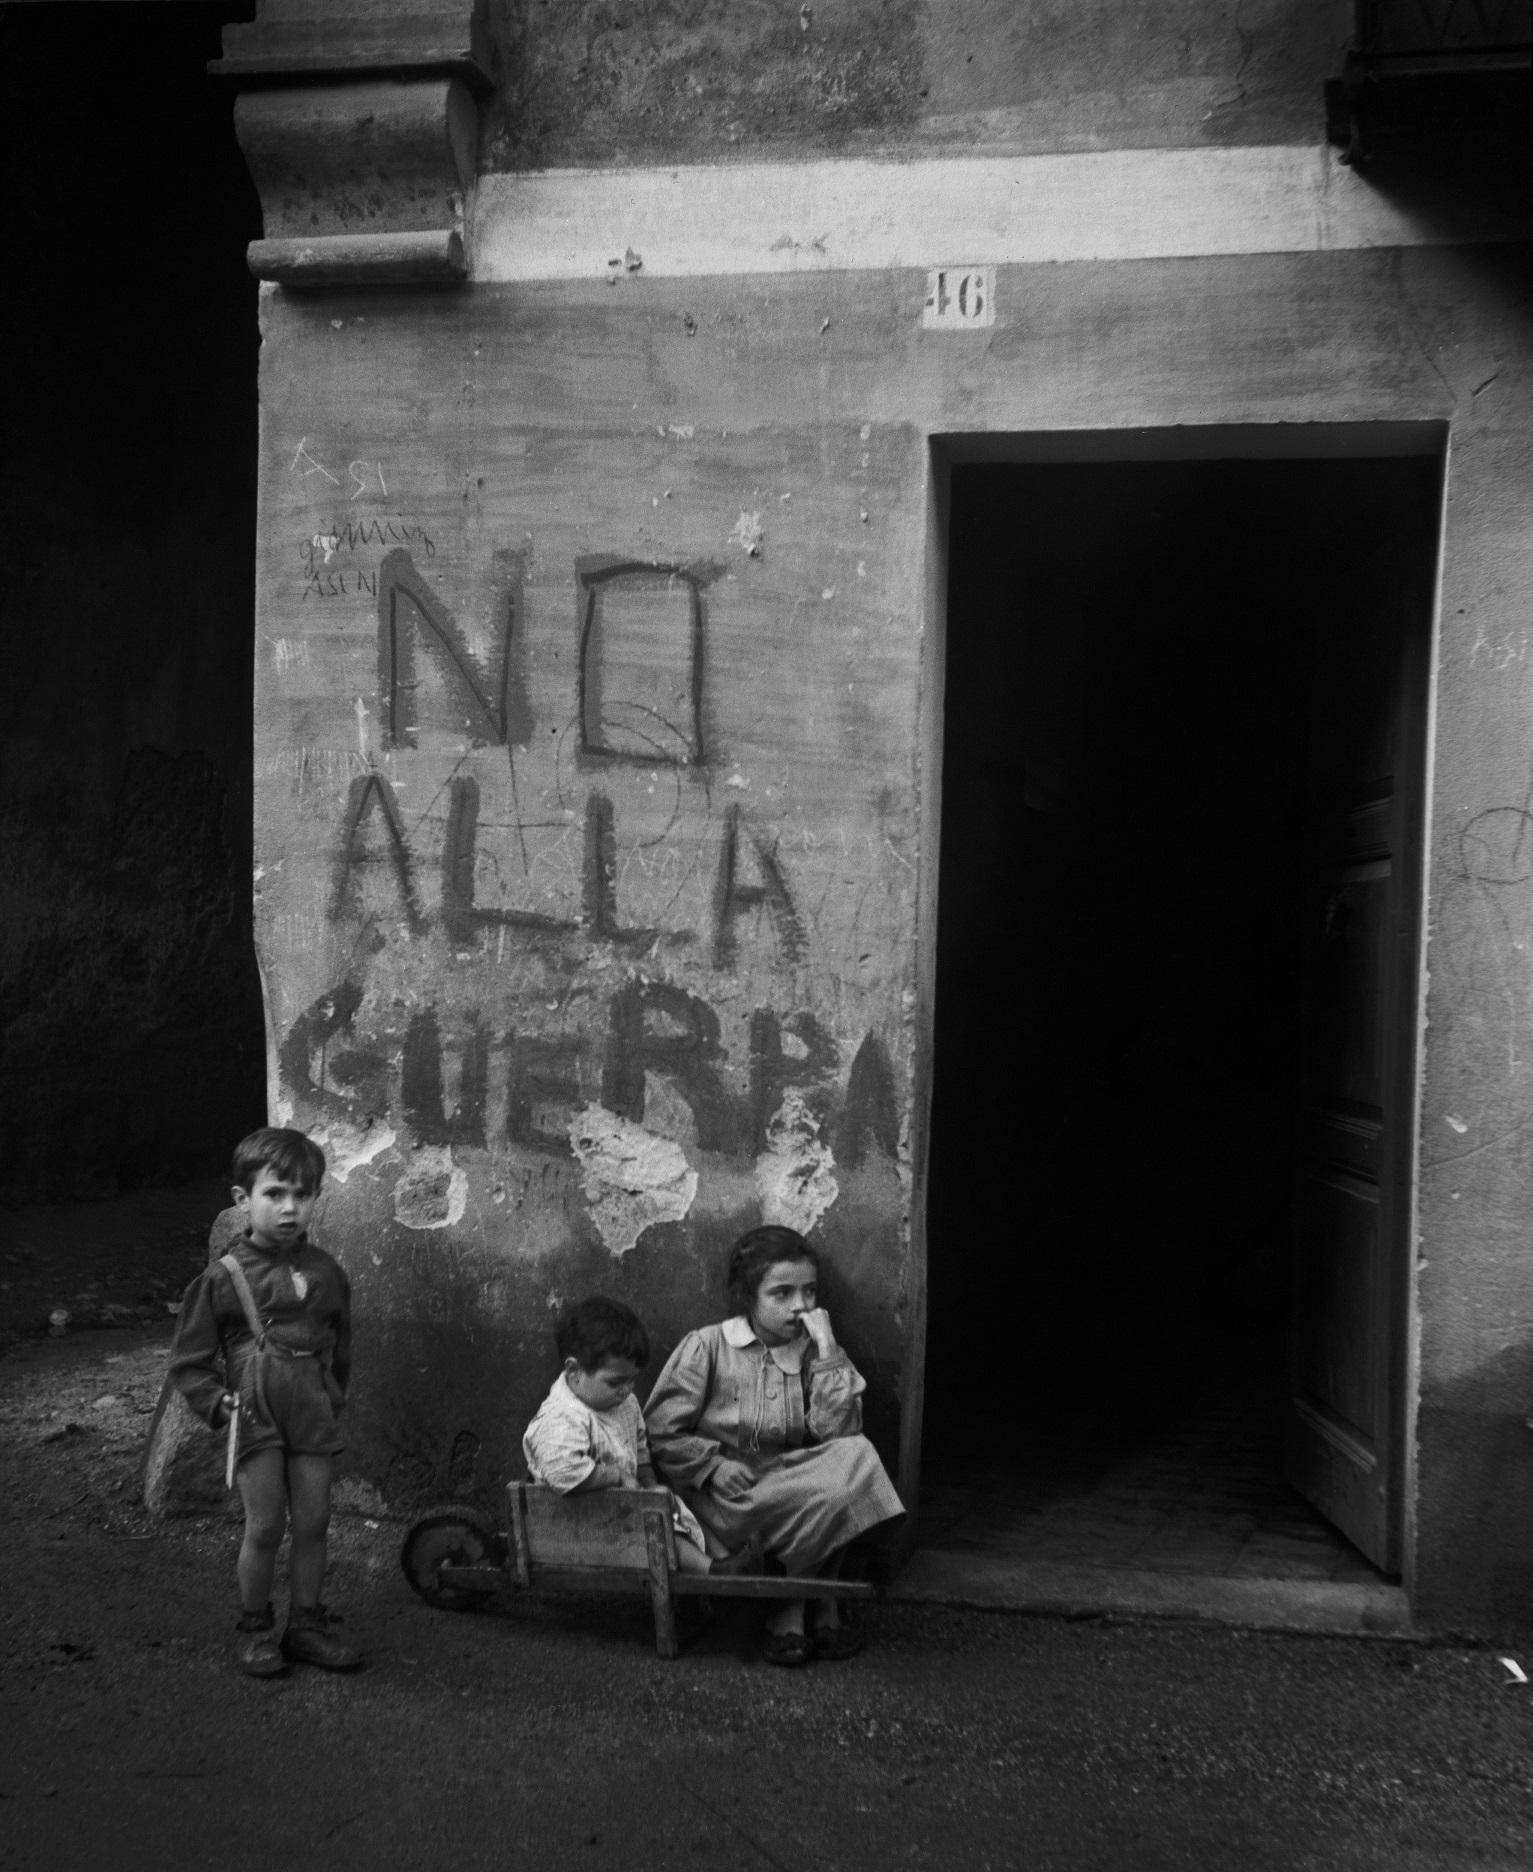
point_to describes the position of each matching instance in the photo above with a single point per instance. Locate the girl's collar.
(739, 1332)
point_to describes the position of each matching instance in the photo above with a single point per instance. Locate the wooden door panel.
(1349, 959)
(1363, 810)
(1336, 1275)
(1341, 1433)
(1340, 1438)
(1337, 1446)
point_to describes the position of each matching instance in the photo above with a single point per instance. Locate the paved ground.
(546, 1734)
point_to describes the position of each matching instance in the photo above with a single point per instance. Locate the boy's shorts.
(286, 1403)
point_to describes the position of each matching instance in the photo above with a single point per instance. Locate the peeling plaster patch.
(433, 1192)
(795, 1175)
(348, 1147)
(631, 1178)
(1456, 1124)
(667, 1114)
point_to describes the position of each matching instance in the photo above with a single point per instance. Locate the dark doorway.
(1133, 649)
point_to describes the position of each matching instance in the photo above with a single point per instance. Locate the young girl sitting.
(589, 1431)
(757, 1423)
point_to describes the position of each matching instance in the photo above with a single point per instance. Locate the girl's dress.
(794, 1419)
(566, 1439)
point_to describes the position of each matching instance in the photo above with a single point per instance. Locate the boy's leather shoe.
(308, 1640)
(256, 1650)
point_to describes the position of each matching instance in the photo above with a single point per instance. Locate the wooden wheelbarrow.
(602, 1541)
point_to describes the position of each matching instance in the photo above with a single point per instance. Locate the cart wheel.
(451, 1536)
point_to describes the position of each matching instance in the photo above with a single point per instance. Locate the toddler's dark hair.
(595, 1332)
(287, 1154)
(757, 1250)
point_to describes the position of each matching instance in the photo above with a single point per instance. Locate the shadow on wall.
(1476, 1444)
(131, 1046)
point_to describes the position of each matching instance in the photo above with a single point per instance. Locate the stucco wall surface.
(1475, 1293)
(599, 81)
(586, 822)
(589, 808)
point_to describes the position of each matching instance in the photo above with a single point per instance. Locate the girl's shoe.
(837, 1642)
(791, 1649)
(256, 1650)
(308, 1640)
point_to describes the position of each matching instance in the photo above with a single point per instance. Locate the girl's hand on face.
(730, 1479)
(817, 1325)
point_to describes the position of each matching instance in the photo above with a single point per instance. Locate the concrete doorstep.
(996, 1583)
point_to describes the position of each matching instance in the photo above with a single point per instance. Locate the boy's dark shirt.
(211, 1317)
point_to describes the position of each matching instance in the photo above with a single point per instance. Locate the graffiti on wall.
(653, 1031)
(491, 705)
(373, 836)
(641, 660)
(486, 701)
(621, 1099)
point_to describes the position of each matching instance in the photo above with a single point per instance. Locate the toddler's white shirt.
(567, 1439)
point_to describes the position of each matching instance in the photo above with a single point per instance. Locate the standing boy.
(265, 1332)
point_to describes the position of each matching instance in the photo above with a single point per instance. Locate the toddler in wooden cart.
(589, 1431)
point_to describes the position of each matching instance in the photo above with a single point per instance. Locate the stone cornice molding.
(294, 39)
(360, 131)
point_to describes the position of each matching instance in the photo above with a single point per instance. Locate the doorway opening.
(1148, 662)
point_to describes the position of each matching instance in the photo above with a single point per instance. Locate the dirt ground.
(544, 1732)
(117, 1263)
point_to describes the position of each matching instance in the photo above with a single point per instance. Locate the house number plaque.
(959, 299)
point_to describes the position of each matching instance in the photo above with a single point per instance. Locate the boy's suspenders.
(258, 1332)
(245, 1297)
(253, 1319)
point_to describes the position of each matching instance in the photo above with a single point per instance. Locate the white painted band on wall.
(996, 211)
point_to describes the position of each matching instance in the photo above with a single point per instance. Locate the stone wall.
(617, 81)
